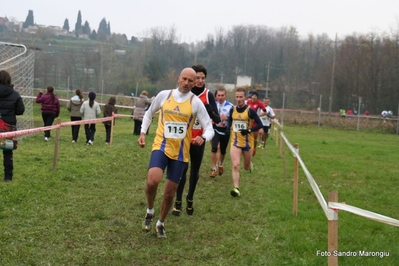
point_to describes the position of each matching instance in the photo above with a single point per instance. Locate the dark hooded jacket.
(109, 109)
(11, 104)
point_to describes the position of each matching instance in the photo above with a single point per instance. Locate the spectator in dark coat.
(11, 105)
(50, 108)
(109, 108)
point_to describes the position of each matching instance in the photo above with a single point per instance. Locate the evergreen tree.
(102, 28)
(133, 40)
(66, 25)
(102, 32)
(78, 25)
(109, 29)
(86, 28)
(29, 20)
(93, 35)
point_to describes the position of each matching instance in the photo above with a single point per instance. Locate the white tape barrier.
(276, 122)
(89, 121)
(332, 206)
(42, 129)
(27, 131)
(329, 214)
(368, 214)
(70, 123)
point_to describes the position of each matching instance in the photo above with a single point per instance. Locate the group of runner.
(189, 116)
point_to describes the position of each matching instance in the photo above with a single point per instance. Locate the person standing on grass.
(241, 120)
(196, 152)
(266, 117)
(221, 139)
(138, 112)
(109, 108)
(11, 105)
(178, 109)
(90, 109)
(50, 108)
(73, 107)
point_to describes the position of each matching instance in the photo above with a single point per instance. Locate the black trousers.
(90, 130)
(75, 128)
(137, 126)
(107, 133)
(8, 165)
(48, 119)
(223, 140)
(196, 155)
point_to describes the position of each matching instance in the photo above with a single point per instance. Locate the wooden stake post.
(282, 152)
(277, 135)
(112, 129)
(56, 144)
(295, 190)
(333, 231)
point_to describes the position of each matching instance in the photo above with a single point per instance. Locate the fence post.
(276, 135)
(333, 231)
(282, 152)
(56, 144)
(112, 129)
(295, 192)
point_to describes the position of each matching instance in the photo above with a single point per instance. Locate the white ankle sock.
(160, 223)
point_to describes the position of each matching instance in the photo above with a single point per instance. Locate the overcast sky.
(194, 20)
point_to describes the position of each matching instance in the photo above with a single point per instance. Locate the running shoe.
(235, 192)
(190, 208)
(177, 209)
(213, 173)
(220, 169)
(160, 229)
(260, 146)
(147, 222)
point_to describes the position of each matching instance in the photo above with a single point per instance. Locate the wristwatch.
(203, 138)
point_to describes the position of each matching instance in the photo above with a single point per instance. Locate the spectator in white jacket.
(90, 110)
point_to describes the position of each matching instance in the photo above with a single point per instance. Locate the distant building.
(243, 81)
(120, 52)
(88, 70)
(84, 36)
(214, 86)
(57, 31)
(3, 21)
(31, 29)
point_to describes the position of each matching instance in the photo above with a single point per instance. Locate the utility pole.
(332, 77)
(245, 59)
(267, 81)
(102, 90)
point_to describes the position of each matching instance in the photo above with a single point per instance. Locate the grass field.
(89, 211)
